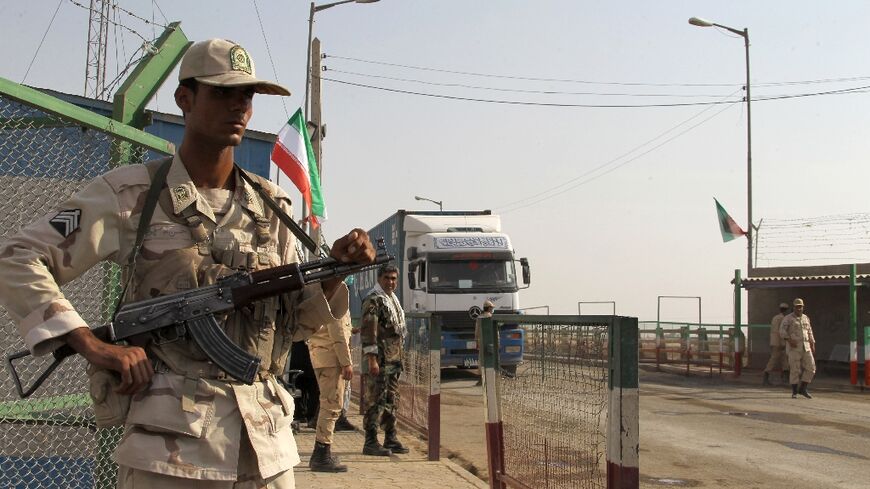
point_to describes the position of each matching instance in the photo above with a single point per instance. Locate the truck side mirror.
(527, 273)
(412, 275)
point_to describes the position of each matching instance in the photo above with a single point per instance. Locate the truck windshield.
(472, 275)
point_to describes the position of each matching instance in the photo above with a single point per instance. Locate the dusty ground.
(703, 431)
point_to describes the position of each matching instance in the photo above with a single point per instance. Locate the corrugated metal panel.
(253, 154)
(802, 281)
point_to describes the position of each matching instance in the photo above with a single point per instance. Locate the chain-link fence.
(554, 408)
(49, 440)
(551, 428)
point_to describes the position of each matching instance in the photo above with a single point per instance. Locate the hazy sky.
(637, 219)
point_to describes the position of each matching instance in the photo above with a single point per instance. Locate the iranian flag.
(730, 229)
(294, 155)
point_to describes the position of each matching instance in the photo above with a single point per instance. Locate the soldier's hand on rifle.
(354, 247)
(347, 372)
(130, 362)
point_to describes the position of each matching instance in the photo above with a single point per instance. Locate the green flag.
(730, 229)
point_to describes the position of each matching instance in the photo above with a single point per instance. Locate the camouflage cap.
(798, 302)
(223, 63)
(783, 305)
(488, 304)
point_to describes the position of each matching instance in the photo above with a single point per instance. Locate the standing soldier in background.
(330, 356)
(777, 347)
(800, 345)
(186, 423)
(382, 335)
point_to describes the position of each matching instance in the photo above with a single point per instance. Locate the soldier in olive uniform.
(382, 335)
(800, 346)
(330, 356)
(777, 347)
(188, 424)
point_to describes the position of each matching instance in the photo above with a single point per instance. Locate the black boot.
(323, 461)
(765, 380)
(372, 446)
(343, 424)
(803, 391)
(794, 391)
(393, 443)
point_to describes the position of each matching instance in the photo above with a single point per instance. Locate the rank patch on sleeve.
(66, 222)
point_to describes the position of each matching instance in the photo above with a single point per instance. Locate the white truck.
(450, 262)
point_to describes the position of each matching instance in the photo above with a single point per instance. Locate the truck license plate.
(512, 349)
(469, 362)
(471, 345)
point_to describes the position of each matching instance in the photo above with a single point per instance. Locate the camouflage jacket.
(378, 335)
(189, 421)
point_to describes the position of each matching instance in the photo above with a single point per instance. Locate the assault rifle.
(192, 313)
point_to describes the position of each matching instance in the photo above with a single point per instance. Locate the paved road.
(700, 431)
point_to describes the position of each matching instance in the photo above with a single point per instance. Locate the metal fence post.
(488, 351)
(738, 331)
(866, 355)
(623, 425)
(853, 325)
(434, 389)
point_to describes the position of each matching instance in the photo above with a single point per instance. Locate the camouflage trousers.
(382, 398)
(248, 478)
(331, 396)
(803, 366)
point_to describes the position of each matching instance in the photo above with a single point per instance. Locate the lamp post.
(750, 233)
(440, 203)
(318, 8)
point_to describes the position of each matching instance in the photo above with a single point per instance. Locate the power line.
(852, 90)
(516, 90)
(621, 164)
(588, 82)
(519, 102)
(44, 34)
(613, 160)
(269, 52)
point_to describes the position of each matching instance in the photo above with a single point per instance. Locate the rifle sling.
(288, 221)
(158, 182)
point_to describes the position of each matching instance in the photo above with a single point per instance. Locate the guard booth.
(826, 294)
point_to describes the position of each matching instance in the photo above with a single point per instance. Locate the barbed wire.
(837, 237)
(109, 20)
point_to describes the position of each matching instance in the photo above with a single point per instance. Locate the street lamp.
(318, 8)
(750, 233)
(440, 203)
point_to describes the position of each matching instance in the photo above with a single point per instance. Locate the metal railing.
(720, 347)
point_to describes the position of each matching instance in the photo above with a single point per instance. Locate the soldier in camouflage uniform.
(382, 336)
(330, 355)
(187, 424)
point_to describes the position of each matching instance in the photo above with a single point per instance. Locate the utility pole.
(98, 40)
(316, 117)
